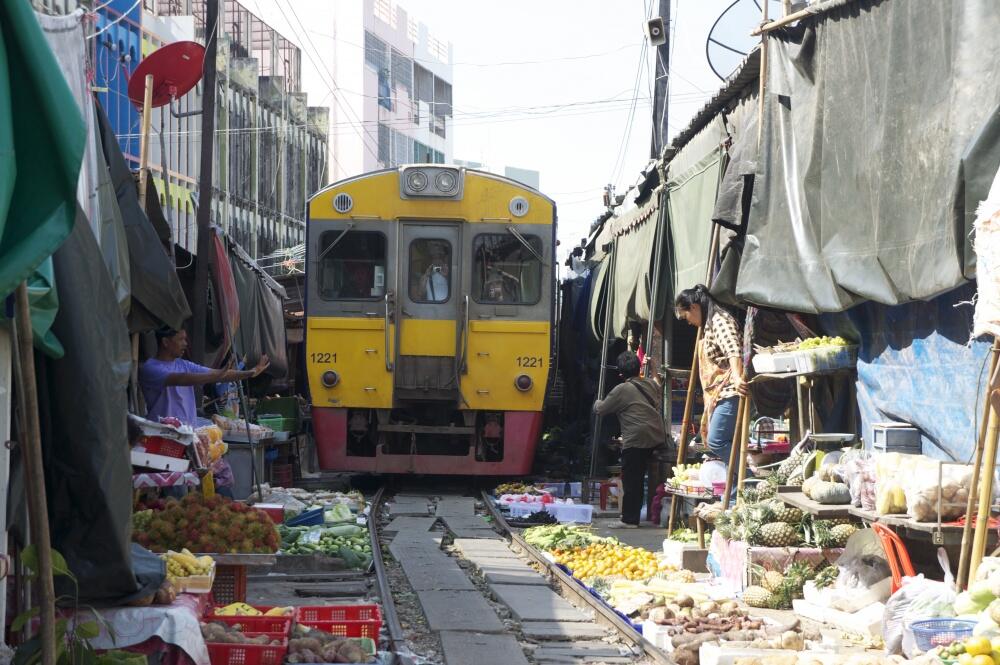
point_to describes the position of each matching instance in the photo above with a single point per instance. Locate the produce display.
(208, 525)
(609, 560)
(684, 473)
(683, 615)
(222, 633)
(562, 537)
(244, 610)
(309, 645)
(776, 590)
(978, 650)
(513, 488)
(821, 342)
(684, 535)
(185, 564)
(347, 541)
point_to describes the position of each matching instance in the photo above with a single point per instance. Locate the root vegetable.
(792, 641)
(684, 601)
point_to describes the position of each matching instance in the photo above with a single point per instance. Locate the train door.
(429, 302)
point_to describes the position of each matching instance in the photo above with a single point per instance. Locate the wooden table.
(698, 522)
(807, 505)
(945, 534)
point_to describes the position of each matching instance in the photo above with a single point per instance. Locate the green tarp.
(41, 147)
(692, 184)
(880, 137)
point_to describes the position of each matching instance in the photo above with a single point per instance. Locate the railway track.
(473, 592)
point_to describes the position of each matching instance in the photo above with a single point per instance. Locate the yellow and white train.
(430, 297)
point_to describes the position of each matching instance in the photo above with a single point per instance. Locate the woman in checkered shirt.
(720, 365)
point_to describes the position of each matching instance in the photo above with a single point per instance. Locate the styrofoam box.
(714, 654)
(158, 462)
(774, 363)
(564, 512)
(559, 489)
(867, 621)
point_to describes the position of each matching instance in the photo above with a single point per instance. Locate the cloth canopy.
(262, 322)
(692, 185)
(42, 139)
(881, 132)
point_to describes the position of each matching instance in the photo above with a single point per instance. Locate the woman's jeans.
(722, 427)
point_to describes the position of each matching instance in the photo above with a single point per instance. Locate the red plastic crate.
(281, 474)
(246, 654)
(279, 626)
(157, 445)
(342, 620)
(230, 585)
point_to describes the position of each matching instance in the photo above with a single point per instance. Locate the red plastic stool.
(606, 486)
(895, 554)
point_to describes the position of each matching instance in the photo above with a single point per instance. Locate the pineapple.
(756, 596)
(826, 577)
(778, 534)
(785, 513)
(841, 533)
(771, 580)
(790, 466)
(796, 478)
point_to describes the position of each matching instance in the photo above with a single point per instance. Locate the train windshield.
(505, 271)
(352, 265)
(430, 270)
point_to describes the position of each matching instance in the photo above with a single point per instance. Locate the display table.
(736, 558)
(696, 498)
(176, 625)
(948, 533)
(794, 497)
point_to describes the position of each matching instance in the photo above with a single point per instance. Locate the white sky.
(578, 148)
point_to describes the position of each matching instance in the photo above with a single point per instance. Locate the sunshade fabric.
(631, 281)
(692, 185)
(879, 131)
(262, 321)
(42, 138)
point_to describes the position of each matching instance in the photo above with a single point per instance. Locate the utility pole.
(200, 305)
(661, 86)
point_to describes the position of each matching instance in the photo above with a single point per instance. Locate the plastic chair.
(895, 554)
(605, 490)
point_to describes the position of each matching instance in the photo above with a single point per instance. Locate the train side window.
(430, 270)
(352, 266)
(505, 271)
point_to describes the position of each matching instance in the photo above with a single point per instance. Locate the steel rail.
(397, 641)
(572, 587)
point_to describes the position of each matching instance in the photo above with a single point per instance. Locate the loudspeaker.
(656, 31)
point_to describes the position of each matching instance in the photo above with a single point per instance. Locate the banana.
(279, 612)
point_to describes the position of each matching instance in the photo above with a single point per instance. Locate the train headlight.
(523, 383)
(431, 181)
(330, 378)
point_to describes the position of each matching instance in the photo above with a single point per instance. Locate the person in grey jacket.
(636, 402)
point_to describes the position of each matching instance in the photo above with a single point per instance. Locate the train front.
(429, 321)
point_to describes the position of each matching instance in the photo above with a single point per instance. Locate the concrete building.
(271, 148)
(394, 105)
(524, 176)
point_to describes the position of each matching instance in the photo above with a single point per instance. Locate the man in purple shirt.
(168, 380)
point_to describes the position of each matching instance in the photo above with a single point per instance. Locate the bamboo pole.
(781, 22)
(744, 439)
(986, 484)
(147, 122)
(762, 86)
(733, 452)
(31, 453)
(965, 549)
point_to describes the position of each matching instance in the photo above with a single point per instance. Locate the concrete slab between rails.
(481, 649)
(465, 611)
(483, 547)
(536, 603)
(456, 506)
(407, 550)
(430, 575)
(561, 630)
(410, 523)
(504, 575)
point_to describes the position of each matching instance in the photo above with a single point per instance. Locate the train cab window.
(430, 270)
(352, 265)
(505, 271)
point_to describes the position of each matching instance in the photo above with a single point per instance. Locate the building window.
(384, 89)
(506, 272)
(376, 52)
(353, 265)
(384, 144)
(402, 72)
(430, 270)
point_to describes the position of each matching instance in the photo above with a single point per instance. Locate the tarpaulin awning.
(262, 322)
(42, 138)
(880, 128)
(157, 296)
(692, 185)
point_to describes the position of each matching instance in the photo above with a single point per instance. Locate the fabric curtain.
(692, 185)
(879, 130)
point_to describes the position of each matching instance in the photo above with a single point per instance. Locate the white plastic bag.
(931, 482)
(918, 598)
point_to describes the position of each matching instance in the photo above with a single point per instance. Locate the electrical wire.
(116, 21)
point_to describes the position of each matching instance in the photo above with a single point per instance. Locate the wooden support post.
(147, 122)
(733, 452)
(988, 466)
(743, 436)
(966, 548)
(30, 442)
(682, 442)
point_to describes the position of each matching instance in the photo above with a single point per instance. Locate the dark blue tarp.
(916, 365)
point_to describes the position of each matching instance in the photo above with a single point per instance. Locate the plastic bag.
(858, 469)
(931, 480)
(861, 572)
(918, 598)
(892, 471)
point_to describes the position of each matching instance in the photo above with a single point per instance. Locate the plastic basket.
(931, 633)
(280, 626)
(308, 518)
(246, 654)
(281, 474)
(157, 445)
(230, 585)
(342, 620)
(277, 423)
